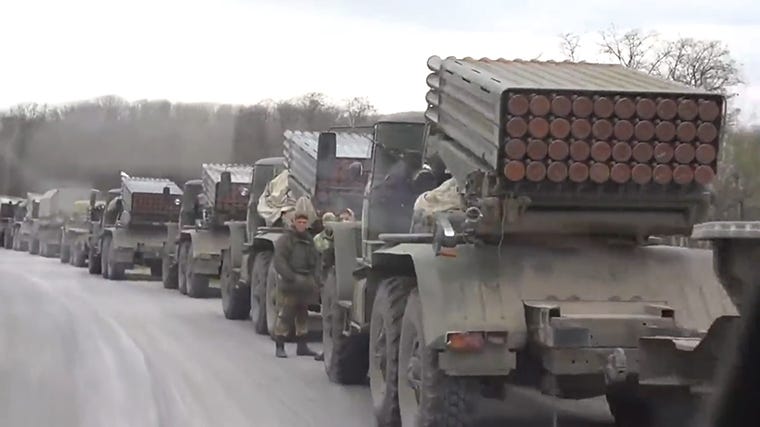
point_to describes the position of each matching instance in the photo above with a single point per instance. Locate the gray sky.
(245, 51)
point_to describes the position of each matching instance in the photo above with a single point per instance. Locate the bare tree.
(632, 48)
(701, 63)
(357, 110)
(569, 44)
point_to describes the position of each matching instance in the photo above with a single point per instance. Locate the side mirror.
(167, 191)
(225, 185)
(355, 171)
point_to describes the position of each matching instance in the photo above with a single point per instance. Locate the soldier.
(323, 240)
(295, 260)
(347, 215)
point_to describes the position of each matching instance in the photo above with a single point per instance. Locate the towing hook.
(616, 369)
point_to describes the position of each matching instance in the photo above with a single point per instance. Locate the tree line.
(88, 142)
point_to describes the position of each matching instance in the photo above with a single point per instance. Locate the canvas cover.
(276, 199)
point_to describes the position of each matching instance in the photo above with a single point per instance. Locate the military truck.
(76, 230)
(98, 222)
(7, 212)
(22, 226)
(331, 169)
(56, 206)
(543, 276)
(132, 228)
(201, 234)
(235, 281)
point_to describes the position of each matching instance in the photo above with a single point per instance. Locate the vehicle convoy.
(22, 223)
(8, 206)
(75, 232)
(539, 274)
(193, 252)
(330, 168)
(55, 208)
(132, 229)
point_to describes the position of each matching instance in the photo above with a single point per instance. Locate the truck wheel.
(79, 258)
(168, 273)
(64, 254)
(93, 261)
(427, 396)
(156, 269)
(34, 247)
(182, 268)
(384, 335)
(258, 275)
(236, 301)
(346, 357)
(44, 250)
(197, 284)
(110, 269)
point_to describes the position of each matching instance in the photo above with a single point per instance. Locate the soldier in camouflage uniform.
(296, 262)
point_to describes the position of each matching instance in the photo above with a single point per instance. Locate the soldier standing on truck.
(296, 264)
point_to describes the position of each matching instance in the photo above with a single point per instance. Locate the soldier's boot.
(302, 349)
(320, 356)
(280, 348)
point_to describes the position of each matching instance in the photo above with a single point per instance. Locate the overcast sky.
(245, 51)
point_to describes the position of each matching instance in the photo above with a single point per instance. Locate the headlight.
(243, 191)
(177, 202)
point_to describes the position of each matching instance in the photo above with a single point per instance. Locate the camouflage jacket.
(323, 241)
(295, 260)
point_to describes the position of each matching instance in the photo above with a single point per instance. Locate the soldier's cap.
(329, 217)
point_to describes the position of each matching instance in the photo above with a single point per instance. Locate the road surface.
(77, 350)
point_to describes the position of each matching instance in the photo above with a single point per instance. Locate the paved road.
(76, 350)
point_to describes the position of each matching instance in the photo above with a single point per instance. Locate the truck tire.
(181, 268)
(110, 269)
(93, 261)
(197, 284)
(346, 357)
(156, 269)
(236, 300)
(384, 336)
(258, 275)
(169, 275)
(8, 239)
(427, 396)
(44, 250)
(78, 257)
(34, 247)
(64, 254)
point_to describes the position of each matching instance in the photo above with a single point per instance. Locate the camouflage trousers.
(292, 311)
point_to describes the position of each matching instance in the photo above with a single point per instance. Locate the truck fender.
(207, 241)
(456, 295)
(172, 235)
(237, 239)
(347, 256)
(265, 241)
